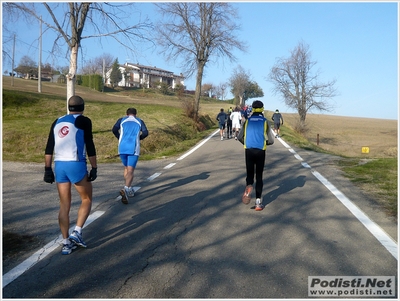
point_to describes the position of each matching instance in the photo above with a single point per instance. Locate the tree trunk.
(71, 76)
(302, 115)
(197, 93)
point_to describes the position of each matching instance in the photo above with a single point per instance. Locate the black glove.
(93, 174)
(48, 175)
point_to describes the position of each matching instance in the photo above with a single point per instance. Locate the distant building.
(136, 75)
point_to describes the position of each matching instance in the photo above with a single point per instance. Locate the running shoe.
(67, 248)
(247, 194)
(124, 196)
(131, 192)
(259, 206)
(77, 238)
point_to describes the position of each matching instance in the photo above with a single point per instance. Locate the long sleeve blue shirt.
(129, 130)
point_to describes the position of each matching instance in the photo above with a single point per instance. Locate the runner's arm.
(143, 129)
(116, 128)
(85, 124)
(50, 141)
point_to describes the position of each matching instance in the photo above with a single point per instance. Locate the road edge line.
(42, 253)
(380, 234)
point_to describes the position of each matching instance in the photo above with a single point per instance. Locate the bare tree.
(222, 90)
(207, 89)
(95, 66)
(90, 67)
(196, 32)
(27, 67)
(299, 87)
(69, 19)
(239, 82)
(106, 60)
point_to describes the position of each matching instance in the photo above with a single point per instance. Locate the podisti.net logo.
(352, 286)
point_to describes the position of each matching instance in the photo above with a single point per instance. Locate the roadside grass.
(376, 176)
(292, 137)
(27, 116)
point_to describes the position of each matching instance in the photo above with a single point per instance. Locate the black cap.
(257, 104)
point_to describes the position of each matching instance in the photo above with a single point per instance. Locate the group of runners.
(70, 144)
(230, 122)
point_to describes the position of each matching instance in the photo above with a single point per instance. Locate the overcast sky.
(355, 43)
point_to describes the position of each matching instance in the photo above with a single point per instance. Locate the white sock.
(78, 229)
(66, 241)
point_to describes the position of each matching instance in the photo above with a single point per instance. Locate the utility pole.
(12, 71)
(40, 59)
(104, 74)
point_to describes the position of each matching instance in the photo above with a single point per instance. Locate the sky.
(354, 43)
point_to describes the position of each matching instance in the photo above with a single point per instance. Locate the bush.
(179, 90)
(189, 108)
(93, 81)
(301, 127)
(164, 88)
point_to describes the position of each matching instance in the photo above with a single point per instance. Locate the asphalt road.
(186, 233)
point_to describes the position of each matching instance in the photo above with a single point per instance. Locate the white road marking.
(371, 226)
(42, 253)
(298, 157)
(197, 146)
(151, 178)
(47, 249)
(169, 165)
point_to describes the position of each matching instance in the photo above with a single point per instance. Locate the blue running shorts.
(69, 171)
(129, 160)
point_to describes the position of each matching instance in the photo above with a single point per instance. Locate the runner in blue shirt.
(129, 130)
(254, 136)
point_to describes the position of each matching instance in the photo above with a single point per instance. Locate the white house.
(135, 75)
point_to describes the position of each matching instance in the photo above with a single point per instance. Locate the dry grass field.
(340, 135)
(347, 136)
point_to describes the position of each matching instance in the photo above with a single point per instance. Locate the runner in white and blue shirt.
(70, 140)
(129, 130)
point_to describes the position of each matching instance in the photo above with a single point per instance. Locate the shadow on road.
(283, 188)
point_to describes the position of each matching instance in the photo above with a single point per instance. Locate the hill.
(173, 133)
(347, 136)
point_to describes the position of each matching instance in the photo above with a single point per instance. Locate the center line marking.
(169, 165)
(153, 176)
